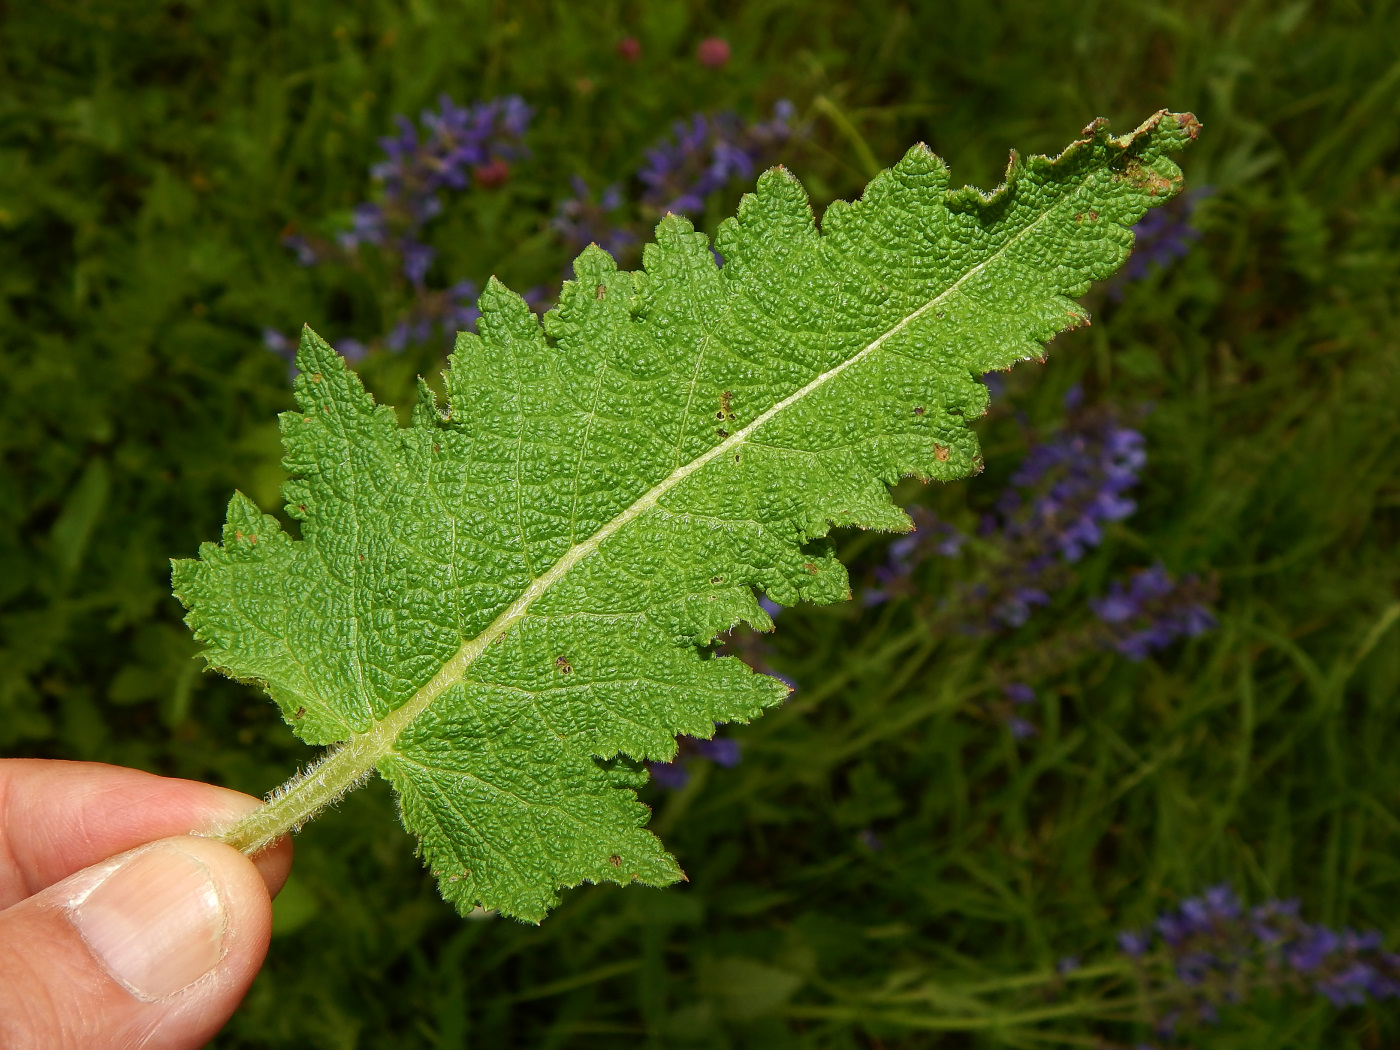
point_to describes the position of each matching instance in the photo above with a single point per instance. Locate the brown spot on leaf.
(1144, 178)
(615, 861)
(301, 713)
(716, 579)
(810, 568)
(600, 291)
(940, 453)
(726, 405)
(316, 377)
(918, 410)
(252, 537)
(722, 432)
(437, 447)
(563, 665)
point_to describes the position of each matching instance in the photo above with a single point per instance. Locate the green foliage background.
(152, 154)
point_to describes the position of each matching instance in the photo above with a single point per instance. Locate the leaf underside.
(669, 442)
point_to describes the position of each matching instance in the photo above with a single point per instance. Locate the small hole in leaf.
(722, 432)
(716, 579)
(918, 410)
(563, 665)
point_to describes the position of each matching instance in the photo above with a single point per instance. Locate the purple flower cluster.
(1211, 950)
(459, 144)
(1152, 610)
(1018, 694)
(675, 774)
(581, 221)
(1163, 236)
(1061, 497)
(1069, 487)
(286, 348)
(455, 146)
(930, 536)
(1064, 492)
(706, 154)
(1054, 510)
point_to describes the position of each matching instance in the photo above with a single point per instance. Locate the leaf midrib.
(347, 763)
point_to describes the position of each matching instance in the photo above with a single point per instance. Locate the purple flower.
(351, 349)
(581, 221)
(1164, 235)
(1021, 729)
(279, 344)
(1222, 903)
(1018, 693)
(457, 141)
(675, 774)
(670, 775)
(1134, 943)
(1069, 486)
(456, 145)
(705, 155)
(1213, 952)
(906, 553)
(1152, 611)
(416, 260)
(1312, 950)
(721, 750)
(306, 254)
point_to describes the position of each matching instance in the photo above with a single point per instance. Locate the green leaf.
(507, 605)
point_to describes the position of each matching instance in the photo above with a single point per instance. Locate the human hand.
(113, 933)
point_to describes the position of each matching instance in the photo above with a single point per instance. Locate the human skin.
(119, 928)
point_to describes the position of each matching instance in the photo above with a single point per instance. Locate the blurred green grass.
(151, 156)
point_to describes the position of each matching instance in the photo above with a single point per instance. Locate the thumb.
(152, 948)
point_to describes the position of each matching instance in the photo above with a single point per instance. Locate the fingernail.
(156, 923)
